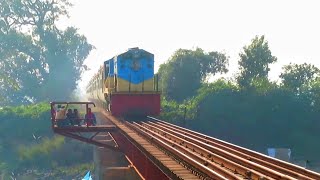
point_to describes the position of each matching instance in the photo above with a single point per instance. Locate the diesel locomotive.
(127, 85)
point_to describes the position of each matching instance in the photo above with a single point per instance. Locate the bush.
(27, 141)
(264, 116)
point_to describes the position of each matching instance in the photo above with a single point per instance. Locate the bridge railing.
(54, 110)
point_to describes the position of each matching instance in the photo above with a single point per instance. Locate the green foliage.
(183, 73)
(26, 121)
(3, 166)
(217, 86)
(262, 85)
(37, 58)
(174, 112)
(298, 76)
(33, 111)
(18, 126)
(256, 113)
(45, 147)
(254, 61)
(269, 116)
(27, 141)
(77, 170)
(189, 109)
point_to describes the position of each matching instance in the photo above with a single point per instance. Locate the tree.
(184, 72)
(296, 76)
(40, 61)
(314, 94)
(254, 61)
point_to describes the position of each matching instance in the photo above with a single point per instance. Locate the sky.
(161, 27)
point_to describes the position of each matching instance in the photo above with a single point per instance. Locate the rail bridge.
(156, 149)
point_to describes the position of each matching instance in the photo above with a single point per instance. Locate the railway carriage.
(126, 84)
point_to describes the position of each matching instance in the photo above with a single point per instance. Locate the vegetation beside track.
(28, 145)
(248, 109)
(276, 118)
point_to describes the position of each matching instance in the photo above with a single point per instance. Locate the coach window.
(101, 80)
(98, 81)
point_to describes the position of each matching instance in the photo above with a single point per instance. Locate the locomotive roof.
(132, 50)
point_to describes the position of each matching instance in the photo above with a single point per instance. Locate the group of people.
(67, 117)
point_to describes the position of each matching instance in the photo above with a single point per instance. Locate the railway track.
(249, 164)
(209, 158)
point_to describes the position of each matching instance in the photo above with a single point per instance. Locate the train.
(126, 84)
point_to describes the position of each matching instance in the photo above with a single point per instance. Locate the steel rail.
(209, 155)
(279, 165)
(229, 160)
(180, 152)
(208, 146)
(235, 152)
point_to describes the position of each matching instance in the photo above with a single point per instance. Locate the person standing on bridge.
(90, 118)
(61, 115)
(76, 117)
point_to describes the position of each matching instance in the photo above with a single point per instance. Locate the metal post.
(154, 83)
(130, 82)
(157, 79)
(184, 116)
(142, 82)
(115, 83)
(52, 116)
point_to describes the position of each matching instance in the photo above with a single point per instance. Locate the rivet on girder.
(205, 163)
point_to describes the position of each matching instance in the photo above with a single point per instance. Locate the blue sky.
(161, 27)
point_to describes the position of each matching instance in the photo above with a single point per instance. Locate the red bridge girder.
(146, 166)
